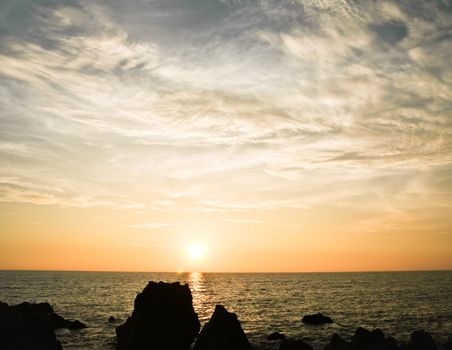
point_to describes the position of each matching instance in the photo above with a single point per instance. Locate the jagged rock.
(363, 339)
(337, 343)
(291, 344)
(163, 319)
(26, 326)
(111, 319)
(222, 332)
(317, 319)
(276, 336)
(56, 320)
(421, 340)
(372, 340)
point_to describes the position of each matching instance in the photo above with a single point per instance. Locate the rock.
(276, 336)
(40, 308)
(163, 319)
(363, 339)
(3, 307)
(111, 319)
(448, 345)
(372, 340)
(75, 325)
(337, 343)
(316, 319)
(57, 321)
(391, 344)
(421, 340)
(26, 326)
(222, 332)
(291, 344)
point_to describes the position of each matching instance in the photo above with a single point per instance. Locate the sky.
(274, 135)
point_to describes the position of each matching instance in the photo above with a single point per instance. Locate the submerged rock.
(111, 319)
(317, 319)
(294, 344)
(421, 340)
(222, 332)
(163, 319)
(27, 326)
(276, 336)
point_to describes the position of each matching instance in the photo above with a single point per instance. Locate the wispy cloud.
(270, 105)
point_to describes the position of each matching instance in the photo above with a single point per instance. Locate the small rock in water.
(421, 340)
(222, 332)
(276, 336)
(291, 344)
(317, 319)
(111, 319)
(75, 325)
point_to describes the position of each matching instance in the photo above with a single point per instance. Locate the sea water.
(396, 302)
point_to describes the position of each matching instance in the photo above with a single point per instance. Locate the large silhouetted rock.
(421, 340)
(317, 319)
(27, 326)
(222, 332)
(292, 344)
(163, 319)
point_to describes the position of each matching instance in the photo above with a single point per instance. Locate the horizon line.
(226, 272)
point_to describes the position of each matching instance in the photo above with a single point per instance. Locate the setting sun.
(196, 251)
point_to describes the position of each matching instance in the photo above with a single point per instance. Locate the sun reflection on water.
(197, 285)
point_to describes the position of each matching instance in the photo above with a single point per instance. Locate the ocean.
(396, 302)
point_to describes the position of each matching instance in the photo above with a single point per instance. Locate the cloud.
(230, 105)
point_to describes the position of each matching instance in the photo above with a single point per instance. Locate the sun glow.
(196, 251)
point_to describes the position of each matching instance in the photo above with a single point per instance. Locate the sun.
(196, 251)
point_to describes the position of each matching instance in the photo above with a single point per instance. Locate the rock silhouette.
(276, 336)
(363, 339)
(316, 319)
(163, 319)
(421, 340)
(222, 332)
(27, 326)
(292, 344)
(337, 343)
(75, 325)
(448, 345)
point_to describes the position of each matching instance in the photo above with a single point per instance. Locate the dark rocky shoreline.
(164, 319)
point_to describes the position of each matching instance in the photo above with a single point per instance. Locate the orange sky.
(49, 237)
